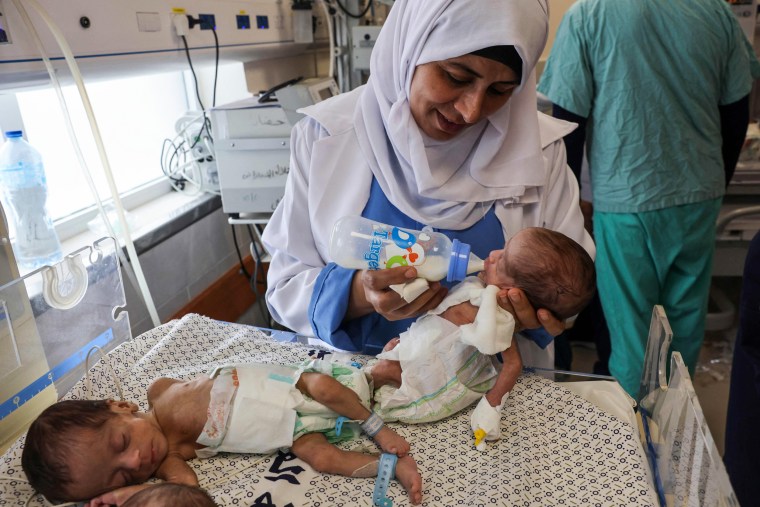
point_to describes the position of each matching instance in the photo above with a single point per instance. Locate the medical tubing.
(77, 149)
(107, 360)
(192, 71)
(74, 68)
(330, 36)
(260, 296)
(351, 14)
(216, 65)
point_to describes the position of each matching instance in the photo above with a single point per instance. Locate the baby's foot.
(410, 478)
(391, 442)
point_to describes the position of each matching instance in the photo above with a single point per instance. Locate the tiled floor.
(712, 378)
(711, 381)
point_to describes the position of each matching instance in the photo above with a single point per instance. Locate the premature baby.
(94, 450)
(445, 361)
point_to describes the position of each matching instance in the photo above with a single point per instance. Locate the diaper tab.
(339, 424)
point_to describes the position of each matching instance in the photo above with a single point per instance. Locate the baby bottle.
(360, 243)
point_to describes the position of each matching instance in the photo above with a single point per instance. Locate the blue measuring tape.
(386, 470)
(77, 358)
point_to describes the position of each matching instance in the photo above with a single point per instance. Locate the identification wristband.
(385, 473)
(372, 425)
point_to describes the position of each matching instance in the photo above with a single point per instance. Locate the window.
(134, 116)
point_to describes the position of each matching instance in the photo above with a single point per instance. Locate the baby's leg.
(324, 457)
(339, 398)
(385, 371)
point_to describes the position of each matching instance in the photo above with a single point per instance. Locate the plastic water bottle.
(360, 243)
(24, 195)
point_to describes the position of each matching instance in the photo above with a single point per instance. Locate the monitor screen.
(325, 93)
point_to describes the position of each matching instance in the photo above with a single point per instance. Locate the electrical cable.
(330, 35)
(179, 160)
(181, 157)
(237, 251)
(258, 263)
(267, 96)
(192, 71)
(258, 259)
(216, 65)
(351, 14)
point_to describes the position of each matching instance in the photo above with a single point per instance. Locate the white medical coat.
(329, 179)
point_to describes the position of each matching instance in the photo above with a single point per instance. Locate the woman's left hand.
(526, 317)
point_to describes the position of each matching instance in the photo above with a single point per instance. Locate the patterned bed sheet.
(556, 448)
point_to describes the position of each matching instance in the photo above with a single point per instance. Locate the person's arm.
(575, 144)
(296, 262)
(508, 375)
(574, 141)
(318, 298)
(175, 469)
(734, 120)
(371, 292)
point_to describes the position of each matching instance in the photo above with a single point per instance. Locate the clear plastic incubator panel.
(686, 465)
(50, 320)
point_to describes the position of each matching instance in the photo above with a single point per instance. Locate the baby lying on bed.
(81, 450)
(166, 493)
(445, 361)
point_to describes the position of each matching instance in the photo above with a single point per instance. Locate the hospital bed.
(563, 443)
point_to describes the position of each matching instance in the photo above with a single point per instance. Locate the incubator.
(58, 319)
(51, 320)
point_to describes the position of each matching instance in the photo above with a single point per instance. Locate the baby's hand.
(117, 496)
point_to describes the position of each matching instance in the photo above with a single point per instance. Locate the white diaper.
(256, 408)
(262, 413)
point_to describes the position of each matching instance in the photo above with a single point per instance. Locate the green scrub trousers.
(655, 257)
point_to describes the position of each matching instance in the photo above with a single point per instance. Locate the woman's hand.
(526, 317)
(371, 292)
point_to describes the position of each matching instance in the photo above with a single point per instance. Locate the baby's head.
(78, 449)
(168, 494)
(554, 271)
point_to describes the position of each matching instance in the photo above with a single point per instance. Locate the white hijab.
(452, 184)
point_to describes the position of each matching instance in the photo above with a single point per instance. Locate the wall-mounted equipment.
(122, 37)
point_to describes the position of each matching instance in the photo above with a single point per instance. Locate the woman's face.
(448, 96)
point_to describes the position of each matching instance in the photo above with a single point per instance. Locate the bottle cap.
(460, 257)
(13, 133)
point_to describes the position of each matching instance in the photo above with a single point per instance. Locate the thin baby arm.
(175, 469)
(507, 377)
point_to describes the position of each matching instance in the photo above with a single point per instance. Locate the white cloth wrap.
(493, 327)
(440, 373)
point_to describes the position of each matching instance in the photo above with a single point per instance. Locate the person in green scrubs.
(660, 91)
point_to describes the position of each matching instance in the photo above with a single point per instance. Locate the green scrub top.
(651, 91)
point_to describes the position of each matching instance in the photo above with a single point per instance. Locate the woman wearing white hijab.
(445, 134)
